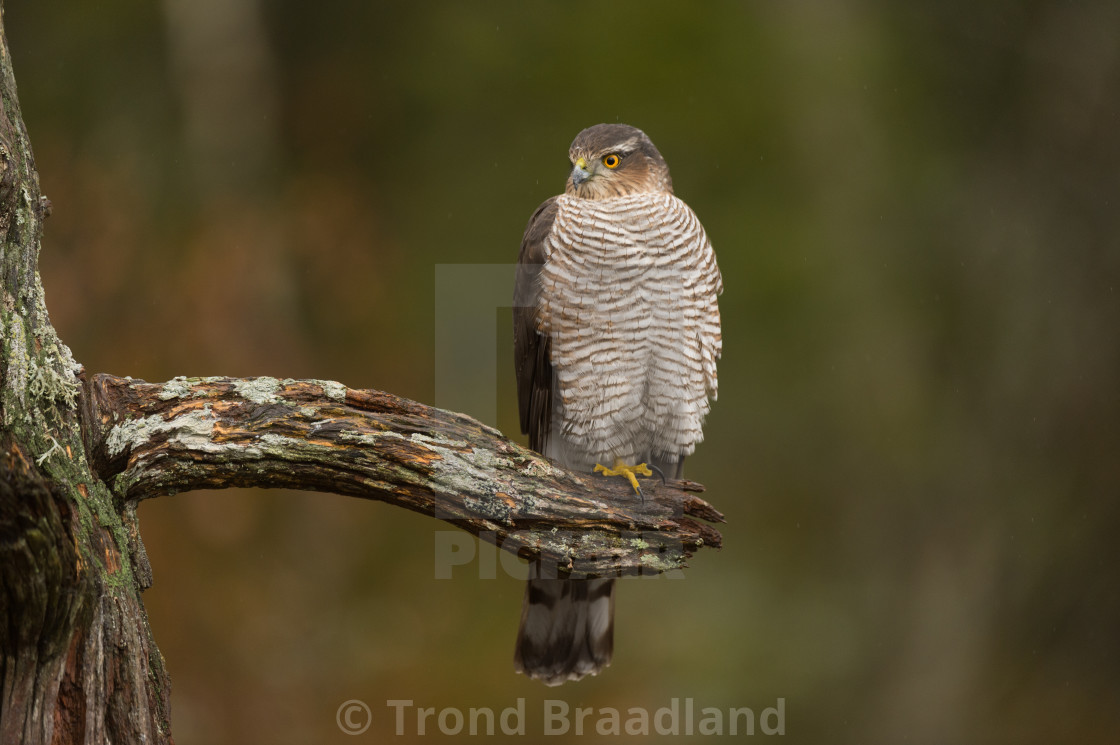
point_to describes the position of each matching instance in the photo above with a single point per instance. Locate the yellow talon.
(621, 469)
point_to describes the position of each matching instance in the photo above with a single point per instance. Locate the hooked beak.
(580, 172)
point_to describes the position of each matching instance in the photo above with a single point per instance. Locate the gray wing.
(531, 350)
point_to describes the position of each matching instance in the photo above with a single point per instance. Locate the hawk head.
(615, 160)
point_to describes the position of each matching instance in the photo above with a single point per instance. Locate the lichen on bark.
(70, 603)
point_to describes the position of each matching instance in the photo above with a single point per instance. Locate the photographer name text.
(680, 717)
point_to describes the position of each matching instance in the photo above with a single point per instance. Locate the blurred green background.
(915, 208)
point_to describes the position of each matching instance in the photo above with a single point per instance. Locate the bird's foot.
(630, 472)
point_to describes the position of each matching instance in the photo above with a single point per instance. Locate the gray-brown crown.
(614, 160)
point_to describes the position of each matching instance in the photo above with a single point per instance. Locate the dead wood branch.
(146, 440)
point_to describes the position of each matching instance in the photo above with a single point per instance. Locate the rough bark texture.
(77, 659)
(148, 439)
(78, 663)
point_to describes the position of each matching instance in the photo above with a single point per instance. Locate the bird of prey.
(616, 337)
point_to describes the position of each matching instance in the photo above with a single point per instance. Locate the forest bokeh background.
(915, 208)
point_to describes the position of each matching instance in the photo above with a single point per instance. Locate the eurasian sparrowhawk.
(616, 337)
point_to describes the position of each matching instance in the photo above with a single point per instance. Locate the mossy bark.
(78, 662)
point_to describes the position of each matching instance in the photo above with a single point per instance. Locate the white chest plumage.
(628, 297)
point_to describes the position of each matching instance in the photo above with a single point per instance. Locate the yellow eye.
(611, 161)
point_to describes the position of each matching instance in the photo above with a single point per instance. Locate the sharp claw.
(659, 472)
(634, 482)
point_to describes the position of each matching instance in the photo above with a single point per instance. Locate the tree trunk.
(78, 663)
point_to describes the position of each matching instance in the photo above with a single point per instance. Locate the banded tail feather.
(567, 628)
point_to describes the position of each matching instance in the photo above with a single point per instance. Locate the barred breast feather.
(628, 301)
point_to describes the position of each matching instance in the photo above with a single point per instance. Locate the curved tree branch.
(146, 440)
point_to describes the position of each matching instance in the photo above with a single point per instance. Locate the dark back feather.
(531, 356)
